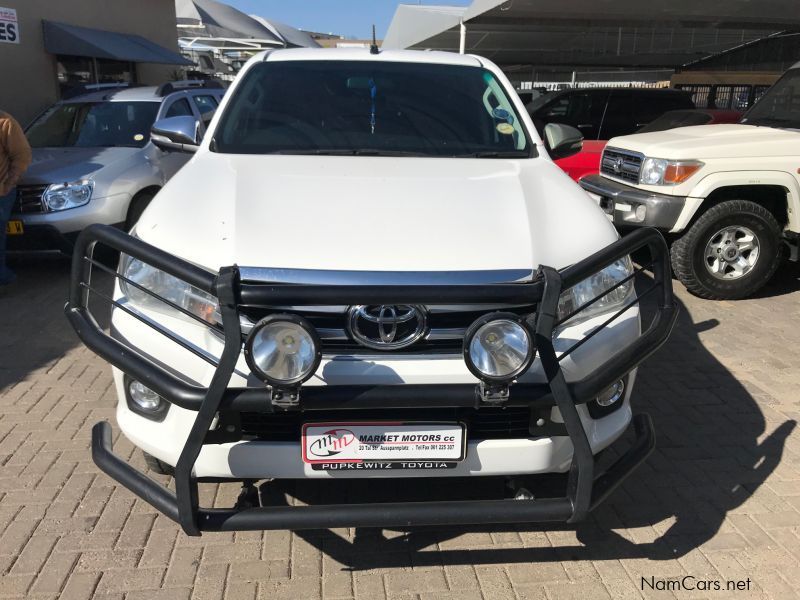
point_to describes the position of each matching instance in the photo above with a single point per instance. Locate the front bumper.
(621, 202)
(374, 515)
(41, 238)
(219, 400)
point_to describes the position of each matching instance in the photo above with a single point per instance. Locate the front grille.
(489, 423)
(621, 165)
(447, 326)
(29, 199)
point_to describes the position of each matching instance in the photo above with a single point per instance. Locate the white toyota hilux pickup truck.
(371, 268)
(726, 196)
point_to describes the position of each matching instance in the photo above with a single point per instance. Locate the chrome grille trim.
(29, 199)
(336, 341)
(329, 321)
(331, 277)
(622, 165)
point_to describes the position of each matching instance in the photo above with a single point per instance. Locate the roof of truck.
(361, 54)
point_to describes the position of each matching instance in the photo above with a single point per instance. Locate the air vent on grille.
(621, 165)
(29, 199)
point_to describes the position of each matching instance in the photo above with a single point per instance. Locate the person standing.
(15, 156)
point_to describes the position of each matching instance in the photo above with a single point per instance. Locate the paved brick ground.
(719, 500)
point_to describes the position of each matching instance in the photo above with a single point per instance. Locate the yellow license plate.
(14, 228)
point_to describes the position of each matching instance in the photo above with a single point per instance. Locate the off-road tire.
(687, 253)
(158, 466)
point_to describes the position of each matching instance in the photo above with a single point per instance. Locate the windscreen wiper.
(495, 154)
(346, 152)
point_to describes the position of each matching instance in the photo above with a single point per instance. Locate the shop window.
(115, 71)
(76, 72)
(73, 72)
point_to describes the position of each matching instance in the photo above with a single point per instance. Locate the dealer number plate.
(14, 228)
(383, 445)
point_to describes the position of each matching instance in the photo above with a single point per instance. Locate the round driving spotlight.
(498, 347)
(283, 350)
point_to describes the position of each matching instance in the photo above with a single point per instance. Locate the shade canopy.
(217, 25)
(593, 33)
(72, 40)
(291, 36)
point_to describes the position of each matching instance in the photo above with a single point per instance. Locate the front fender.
(715, 181)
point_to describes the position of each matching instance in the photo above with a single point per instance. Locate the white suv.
(372, 268)
(728, 196)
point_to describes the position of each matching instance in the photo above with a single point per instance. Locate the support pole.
(462, 42)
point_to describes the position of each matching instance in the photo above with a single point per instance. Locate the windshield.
(780, 106)
(371, 108)
(94, 124)
(674, 119)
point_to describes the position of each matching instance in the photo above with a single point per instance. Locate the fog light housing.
(283, 350)
(497, 349)
(608, 401)
(144, 401)
(611, 394)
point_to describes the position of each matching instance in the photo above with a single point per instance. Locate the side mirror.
(562, 140)
(176, 133)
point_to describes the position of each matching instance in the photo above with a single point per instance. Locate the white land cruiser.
(728, 195)
(372, 268)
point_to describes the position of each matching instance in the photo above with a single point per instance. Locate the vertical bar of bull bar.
(81, 271)
(185, 484)
(581, 471)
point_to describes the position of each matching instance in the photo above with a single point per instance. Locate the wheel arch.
(776, 191)
(150, 190)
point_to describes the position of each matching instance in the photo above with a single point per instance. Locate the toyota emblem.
(387, 327)
(618, 165)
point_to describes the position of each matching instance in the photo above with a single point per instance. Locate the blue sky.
(352, 18)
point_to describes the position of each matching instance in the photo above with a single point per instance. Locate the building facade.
(54, 48)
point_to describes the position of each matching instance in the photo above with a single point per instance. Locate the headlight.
(658, 171)
(168, 287)
(283, 350)
(581, 293)
(62, 196)
(498, 347)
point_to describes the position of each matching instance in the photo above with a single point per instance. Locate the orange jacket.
(15, 153)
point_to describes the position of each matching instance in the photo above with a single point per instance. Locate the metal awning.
(592, 33)
(217, 25)
(72, 40)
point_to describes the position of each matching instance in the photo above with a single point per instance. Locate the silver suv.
(94, 162)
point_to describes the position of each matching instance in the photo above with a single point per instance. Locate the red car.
(587, 161)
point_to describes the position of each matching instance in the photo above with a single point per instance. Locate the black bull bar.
(585, 488)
